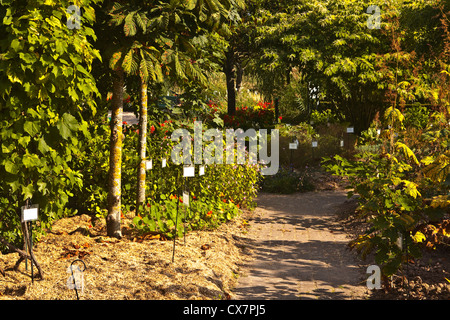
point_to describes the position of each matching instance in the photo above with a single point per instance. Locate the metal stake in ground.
(188, 171)
(292, 146)
(31, 251)
(176, 223)
(75, 284)
(185, 209)
(29, 213)
(186, 204)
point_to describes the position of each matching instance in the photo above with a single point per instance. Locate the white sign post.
(29, 213)
(148, 164)
(349, 130)
(189, 171)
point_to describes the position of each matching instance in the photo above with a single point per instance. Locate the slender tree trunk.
(229, 73)
(239, 75)
(142, 146)
(113, 227)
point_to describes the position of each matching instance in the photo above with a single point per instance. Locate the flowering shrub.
(260, 116)
(216, 196)
(162, 216)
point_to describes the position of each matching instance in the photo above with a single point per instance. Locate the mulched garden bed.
(134, 267)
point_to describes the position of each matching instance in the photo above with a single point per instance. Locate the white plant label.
(189, 171)
(163, 163)
(314, 144)
(201, 170)
(292, 146)
(350, 130)
(148, 165)
(186, 198)
(29, 214)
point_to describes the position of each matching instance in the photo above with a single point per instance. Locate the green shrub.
(222, 190)
(171, 217)
(394, 187)
(323, 117)
(417, 116)
(286, 181)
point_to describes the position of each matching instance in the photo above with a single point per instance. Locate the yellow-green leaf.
(419, 237)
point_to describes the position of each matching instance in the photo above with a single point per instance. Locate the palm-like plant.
(161, 44)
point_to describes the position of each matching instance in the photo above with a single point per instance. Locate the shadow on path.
(300, 251)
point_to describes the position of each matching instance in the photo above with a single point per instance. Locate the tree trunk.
(229, 73)
(113, 227)
(239, 75)
(142, 147)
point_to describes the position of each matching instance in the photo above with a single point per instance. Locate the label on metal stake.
(29, 213)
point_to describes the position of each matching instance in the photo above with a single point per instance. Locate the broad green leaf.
(395, 114)
(439, 168)
(411, 188)
(66, 125)
(42, 187)
(27, 191)
(15, 45)
(7, 149)
(10, 167)
(406, 151)
(30, 160)
(24, 140)
(43, 146)
(31, 127)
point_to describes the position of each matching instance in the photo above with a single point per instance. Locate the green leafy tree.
(150, 41)
(46, 87)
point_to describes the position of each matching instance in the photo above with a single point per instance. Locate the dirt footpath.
(300, 250)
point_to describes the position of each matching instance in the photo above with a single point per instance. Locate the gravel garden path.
(300, 250)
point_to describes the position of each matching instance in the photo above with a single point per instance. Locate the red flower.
(152, 129)
(280, 117)
(209, 213)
